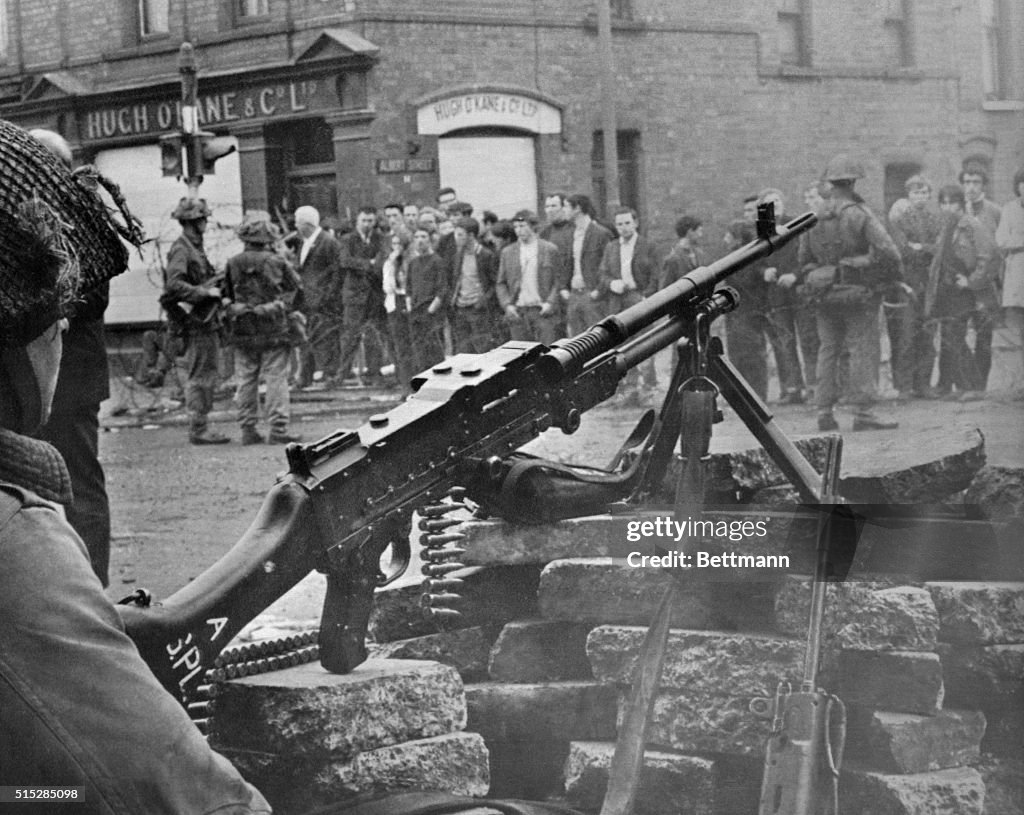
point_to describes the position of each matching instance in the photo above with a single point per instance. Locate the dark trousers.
(854, 329)
(982, 319)
(472, 330)
(426, 333)
(912, 348)
(361, 313)
(202, 361)
(75, 434)
(401, 339)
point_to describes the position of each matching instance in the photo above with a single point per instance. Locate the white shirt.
(307, 244)
(626, 249)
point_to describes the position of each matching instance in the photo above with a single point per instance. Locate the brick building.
(344, 102)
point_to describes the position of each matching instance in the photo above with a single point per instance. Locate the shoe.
(282, 437)
(869, 421)
(207, 437)
(827, 422)
(972, 396)
(792, 398)
(250, 436)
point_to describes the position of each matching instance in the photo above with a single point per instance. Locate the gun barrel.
(567, 357)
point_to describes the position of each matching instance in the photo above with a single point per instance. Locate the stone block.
(600, 590)
(721, 723)
(552, 711)
(454, 762)
(858, 616)
(900, 470)
(908, 743)
(991, 679)
(467, 650)
(998, 492)
(670, 783)
(979, 613)
(897, 681)
(1004, 785)
(540, 651)
(305, 711)
(957, 791)
(701, 664)
(491, 596)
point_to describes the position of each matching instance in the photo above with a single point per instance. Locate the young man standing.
(473, 302)
(527, 286)
(581, 293)
(426, 284)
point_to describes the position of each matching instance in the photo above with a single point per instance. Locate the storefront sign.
(487, 109)
(405, 165)
(259, 103)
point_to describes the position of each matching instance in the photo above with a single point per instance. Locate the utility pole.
(609, 120)
(189, 118)
(201, 149)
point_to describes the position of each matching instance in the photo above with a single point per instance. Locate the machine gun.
(349, 497)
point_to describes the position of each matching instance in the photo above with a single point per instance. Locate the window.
(153, 17)
(622, 9)
(794, 48)
(244, 9)
(629, 170)
(898, 43)
(993, 51)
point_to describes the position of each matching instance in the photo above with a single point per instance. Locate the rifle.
(349, 497)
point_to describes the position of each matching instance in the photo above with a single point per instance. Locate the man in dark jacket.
(426, 286)
(581, 293)
(192, 299)
(474, 306)
(74, 423)
(363, 253)
(319, 268)
(262, 288)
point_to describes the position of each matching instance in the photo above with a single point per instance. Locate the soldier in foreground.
(78, 706)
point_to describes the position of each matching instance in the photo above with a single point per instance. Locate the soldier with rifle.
(192, 299)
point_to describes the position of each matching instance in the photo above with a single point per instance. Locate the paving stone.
(553, 711)
(991, 679)
(1004, 785)
(897, 681)
(607, 591)
(908, 743)
(670, 783)
(491, 596)
(540, 651)
(454, 762)
(703, 664)
(958, 791)
(858, 616)
(979, 613)
(998, 491)
(898, 469)
(306, 711)
(467, 650)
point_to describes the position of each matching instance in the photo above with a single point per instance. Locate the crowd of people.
(411, 284)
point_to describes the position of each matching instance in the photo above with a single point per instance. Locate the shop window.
(793, 31)
(629, 170)
(994, 50)
(898, 33)
(153, 17)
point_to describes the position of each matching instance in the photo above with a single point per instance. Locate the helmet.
(843, 168)
(191, 209)
(256, 227)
